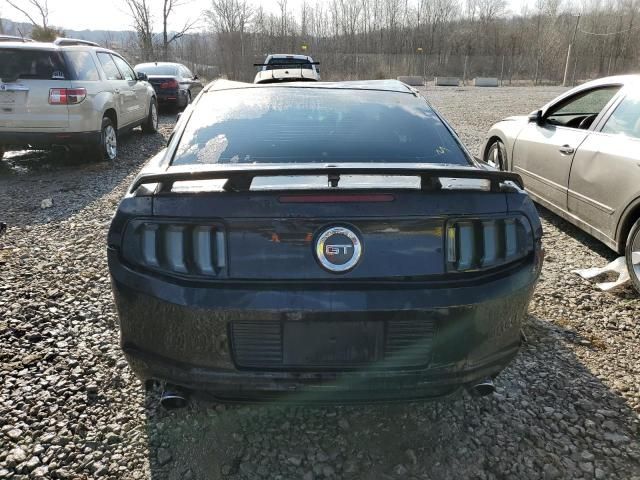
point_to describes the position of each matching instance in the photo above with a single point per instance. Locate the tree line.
(464, 38)
(356, 39)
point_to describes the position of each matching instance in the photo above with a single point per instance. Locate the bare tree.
(168, 7)
(40, 8)
(142, 21)
(230, 19)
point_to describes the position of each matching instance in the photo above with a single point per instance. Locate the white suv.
(70, 92)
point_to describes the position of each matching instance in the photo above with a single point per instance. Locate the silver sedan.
(579, 156)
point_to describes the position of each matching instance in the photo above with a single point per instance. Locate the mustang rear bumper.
(188, 334)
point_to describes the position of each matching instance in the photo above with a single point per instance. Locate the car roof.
(625, 80)
(50, 46)
(160, 64)
(392, 86)
(288, 55)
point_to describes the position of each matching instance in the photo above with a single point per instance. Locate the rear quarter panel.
(87, 116)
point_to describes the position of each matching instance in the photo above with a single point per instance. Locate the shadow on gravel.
(551, 418)
(68, 179)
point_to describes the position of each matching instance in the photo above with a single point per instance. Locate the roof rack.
(65, 42)
(13, 38)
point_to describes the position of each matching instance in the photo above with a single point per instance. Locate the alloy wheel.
(154, 115)
(633, 258)
(110, 142)
(495, 157)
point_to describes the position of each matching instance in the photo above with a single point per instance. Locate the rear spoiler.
(238, 179)
(285, 64)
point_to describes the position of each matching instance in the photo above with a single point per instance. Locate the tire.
(150, 125)
(633, 245)
(107, 149)
(496, 155)
(188, 97)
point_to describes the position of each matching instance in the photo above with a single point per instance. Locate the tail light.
(175, 248)
(478, 244)
(66, 96)
(169, 84)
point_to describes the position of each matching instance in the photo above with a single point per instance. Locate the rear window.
(287, 125)
(277, 63)
(157, 70)
(83, 66)
(24, 63)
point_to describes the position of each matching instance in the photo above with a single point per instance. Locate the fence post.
(464, 72)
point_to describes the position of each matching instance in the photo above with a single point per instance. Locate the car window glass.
(124, 68)
(187, 73)
(290, 125)
(583, 107)
(157, 69)
(82, 65)
(625, 120)
(109, 67)
(31, 64)
(279, 63)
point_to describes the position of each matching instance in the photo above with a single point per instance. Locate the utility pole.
(566, 67)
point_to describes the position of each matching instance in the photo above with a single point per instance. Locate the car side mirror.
(195, 77)
(536, 117)
(142, 77)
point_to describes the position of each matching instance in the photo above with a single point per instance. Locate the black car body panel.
(227, 290)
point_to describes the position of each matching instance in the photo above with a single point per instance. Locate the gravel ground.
(568, 407)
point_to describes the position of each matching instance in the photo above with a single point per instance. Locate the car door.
(118, 86)
(605, 175)
(136, 91)
(544, 150)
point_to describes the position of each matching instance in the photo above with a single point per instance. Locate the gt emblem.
(338, 249)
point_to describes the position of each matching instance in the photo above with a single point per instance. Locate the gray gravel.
(568, 407)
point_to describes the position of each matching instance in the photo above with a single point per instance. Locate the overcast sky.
(112, 14)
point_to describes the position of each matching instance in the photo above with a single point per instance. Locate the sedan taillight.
(66, 96)
(175, 248)
(482, 243)
(169, 84)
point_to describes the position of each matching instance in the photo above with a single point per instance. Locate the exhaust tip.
(172, 400)
(483, 388)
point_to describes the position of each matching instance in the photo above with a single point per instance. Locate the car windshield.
(24, 63)
(157, 69)
(279, 62)
(315, 125)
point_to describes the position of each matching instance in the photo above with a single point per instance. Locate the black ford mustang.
(326, 241)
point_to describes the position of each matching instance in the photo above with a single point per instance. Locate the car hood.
(516, 118)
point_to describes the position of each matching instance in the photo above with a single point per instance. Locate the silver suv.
(70, 93)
